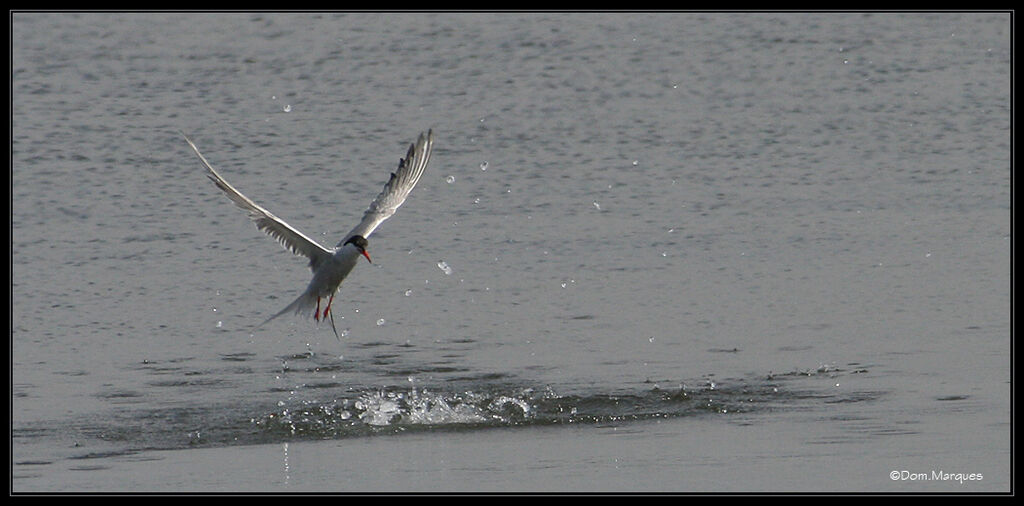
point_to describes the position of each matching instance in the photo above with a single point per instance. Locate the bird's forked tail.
(306, 304)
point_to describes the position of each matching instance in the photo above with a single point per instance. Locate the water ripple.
(352, 411)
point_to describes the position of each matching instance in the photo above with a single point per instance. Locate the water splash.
(402, 410)
(454, 405)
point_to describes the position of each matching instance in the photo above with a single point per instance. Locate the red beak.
(367, 255)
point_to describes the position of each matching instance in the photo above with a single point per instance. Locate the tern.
(331, 266)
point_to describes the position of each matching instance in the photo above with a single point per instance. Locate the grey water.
(652, 252)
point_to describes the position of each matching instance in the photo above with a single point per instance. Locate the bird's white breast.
(331, 274)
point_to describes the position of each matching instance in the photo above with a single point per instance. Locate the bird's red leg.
(316, 315)
(329, 301)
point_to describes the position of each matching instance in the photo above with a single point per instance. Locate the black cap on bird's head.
(360, 243)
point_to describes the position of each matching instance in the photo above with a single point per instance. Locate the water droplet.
(220, 324)
(444, 267)
(597, 206)
(449, 179)
(476, 200)
(408, 292)
(483, 165)
(288, 108)
(344, 333)
(380, 322)
(636, 162)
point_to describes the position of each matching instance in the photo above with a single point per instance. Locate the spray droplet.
(288, 108)
(483, 165)
(380, 322)
(449, 179)
(444, 267)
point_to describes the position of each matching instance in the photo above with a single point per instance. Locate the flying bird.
(330, 266)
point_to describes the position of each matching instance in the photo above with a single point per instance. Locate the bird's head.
(360, 243)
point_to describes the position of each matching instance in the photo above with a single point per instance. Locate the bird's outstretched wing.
(295, 241)
(397, 188)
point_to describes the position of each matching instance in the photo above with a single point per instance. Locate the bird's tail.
(305, 305)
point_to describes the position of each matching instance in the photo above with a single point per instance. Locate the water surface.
(682, 252)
